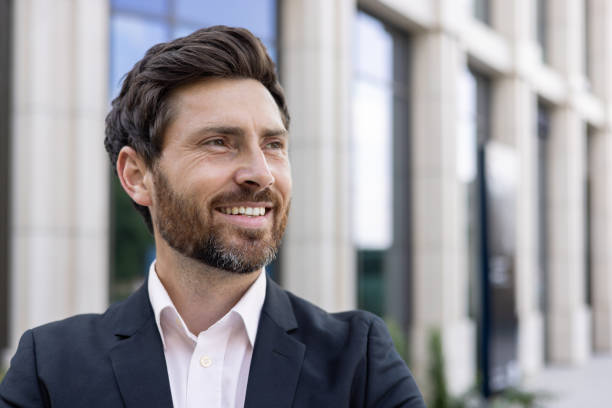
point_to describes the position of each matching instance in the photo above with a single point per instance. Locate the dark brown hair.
(141, 112)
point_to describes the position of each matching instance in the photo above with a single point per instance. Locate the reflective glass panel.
(259, 16)
(467, 170)
(374, 54)
(131, 37)
(372, 165)
(379, 160)
(372, 135)
(481, 10)
(145, 6)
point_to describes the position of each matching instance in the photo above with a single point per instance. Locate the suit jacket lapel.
(277, 357)
(138, 357)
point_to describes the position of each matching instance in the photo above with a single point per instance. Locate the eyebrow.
(238, 131)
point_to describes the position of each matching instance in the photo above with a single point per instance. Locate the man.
(199, 139)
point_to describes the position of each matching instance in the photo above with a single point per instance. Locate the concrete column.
(59, 198)
(601, 166)
(569, 317)
(601, 52)
(566, 42)
(440, 278)
(318, 257)
(601, 233)
(514, 123)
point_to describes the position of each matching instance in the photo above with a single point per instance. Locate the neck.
(201, 294)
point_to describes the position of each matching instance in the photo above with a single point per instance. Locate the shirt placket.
(204, 383)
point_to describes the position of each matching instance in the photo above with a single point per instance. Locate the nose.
(254, 171)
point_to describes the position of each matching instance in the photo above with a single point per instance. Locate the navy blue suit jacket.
(303, 357)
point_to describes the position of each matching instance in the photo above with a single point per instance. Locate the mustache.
(245, 194)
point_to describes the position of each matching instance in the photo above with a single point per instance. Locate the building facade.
(450, 165)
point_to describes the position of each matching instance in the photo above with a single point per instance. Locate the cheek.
(282, 175)
(205, 181)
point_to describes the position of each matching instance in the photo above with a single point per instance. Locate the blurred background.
(451, 164)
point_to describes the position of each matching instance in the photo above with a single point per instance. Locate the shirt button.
(205, 361)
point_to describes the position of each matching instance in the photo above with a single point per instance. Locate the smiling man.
(199, 140)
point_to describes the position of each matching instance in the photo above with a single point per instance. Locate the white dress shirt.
(212, 368)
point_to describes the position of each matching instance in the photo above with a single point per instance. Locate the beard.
(188, 228)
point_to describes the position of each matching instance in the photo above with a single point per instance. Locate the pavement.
(585, 386)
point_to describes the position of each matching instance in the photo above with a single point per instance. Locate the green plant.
(399, 338)
(516, 397)
(439, 396)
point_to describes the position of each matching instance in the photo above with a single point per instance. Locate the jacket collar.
(138, 356)
(140, 366)
(277, 356)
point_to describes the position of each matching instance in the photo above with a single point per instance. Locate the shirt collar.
(250, 304)
(248, 307)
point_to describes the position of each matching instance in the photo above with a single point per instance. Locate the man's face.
(222, 185)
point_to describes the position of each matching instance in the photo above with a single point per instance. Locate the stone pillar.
(318, 257)
(60, 173)
(601, 81)
(569, 317)
(440, 278)
(515, 124)
(601, 233)
(566, 40)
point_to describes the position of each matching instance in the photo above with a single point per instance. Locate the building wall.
(59, 195)
(59, 175)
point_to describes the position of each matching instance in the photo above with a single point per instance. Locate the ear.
(135, 176)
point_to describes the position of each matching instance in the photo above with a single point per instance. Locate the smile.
(248, 211)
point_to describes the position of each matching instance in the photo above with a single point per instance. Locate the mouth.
(249, 211)
(251, 215)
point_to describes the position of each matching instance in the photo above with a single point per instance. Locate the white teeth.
(249, 211)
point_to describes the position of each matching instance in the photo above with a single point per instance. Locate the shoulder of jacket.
(307, 312)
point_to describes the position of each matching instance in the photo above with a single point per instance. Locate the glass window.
(588, 7)
(158, 7)
(379, 168)
(374, 55)
(488, 172)
(467, 169)
(136, 25)
(131, 37)
(259, 16)
(542, 28)
(542, 152)
(372, 135)
(481, 9)
(544, 123)
(588, 216)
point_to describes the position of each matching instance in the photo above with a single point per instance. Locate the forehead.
(224, 101)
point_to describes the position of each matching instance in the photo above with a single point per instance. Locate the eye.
(215, 142)
(277, 145)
